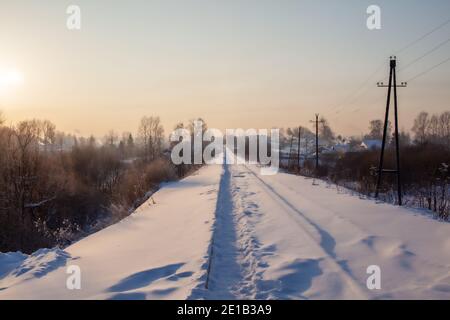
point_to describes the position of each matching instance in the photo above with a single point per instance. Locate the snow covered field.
(229, 233)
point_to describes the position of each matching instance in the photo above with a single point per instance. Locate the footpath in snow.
(230, 233)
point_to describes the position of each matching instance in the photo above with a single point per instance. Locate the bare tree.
(111, 138)
(92, 141)
(47, 133)
(191, 125)
(376, 128)
(325, 130)
(126, 144)
(24, 185)
(151, 135)
(444, 127)
(433, 128)
(420, 127)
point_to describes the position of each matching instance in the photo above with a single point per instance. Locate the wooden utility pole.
(290, 152)
(317, 138)
(298, 151)
(392, 84)
(306, 148)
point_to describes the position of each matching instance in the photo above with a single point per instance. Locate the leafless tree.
(325, 130)
(48, 133)
(111, 138)
(444, 127)
(432, 129)
(376, 128)
(151, 134)
(420, 127)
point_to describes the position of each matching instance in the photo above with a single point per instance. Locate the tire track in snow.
(358, 228)
(325, 244)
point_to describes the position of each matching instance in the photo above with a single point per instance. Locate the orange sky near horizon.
(237, 64)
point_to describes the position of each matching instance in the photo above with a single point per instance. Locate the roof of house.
(371, 143)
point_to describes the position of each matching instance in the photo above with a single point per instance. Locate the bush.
(141, 179)
(424, 175)
(50, 196)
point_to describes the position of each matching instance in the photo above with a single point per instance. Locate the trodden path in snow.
(289, 237)
(233, 257)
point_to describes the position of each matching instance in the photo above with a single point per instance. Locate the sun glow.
(9, 79)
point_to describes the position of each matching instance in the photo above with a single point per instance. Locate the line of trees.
(434, 128)
(56, 188)
(425, 160)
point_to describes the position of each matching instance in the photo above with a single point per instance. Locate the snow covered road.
(230, 233)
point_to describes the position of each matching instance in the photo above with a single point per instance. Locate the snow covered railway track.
(231, 262)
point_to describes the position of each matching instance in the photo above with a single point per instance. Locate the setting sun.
(10, 78)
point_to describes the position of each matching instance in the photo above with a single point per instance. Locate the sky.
(235, 63)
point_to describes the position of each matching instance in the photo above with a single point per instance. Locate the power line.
(359, 109)
(357, 98)
(364, 83)
(411, 79)
(429, 70)
(412, 43)
(423, 37)
(425, 54)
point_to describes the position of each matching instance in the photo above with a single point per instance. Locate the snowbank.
(158, 252)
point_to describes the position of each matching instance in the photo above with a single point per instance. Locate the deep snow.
(228, 232)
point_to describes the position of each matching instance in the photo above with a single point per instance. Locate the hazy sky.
(236, 63)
